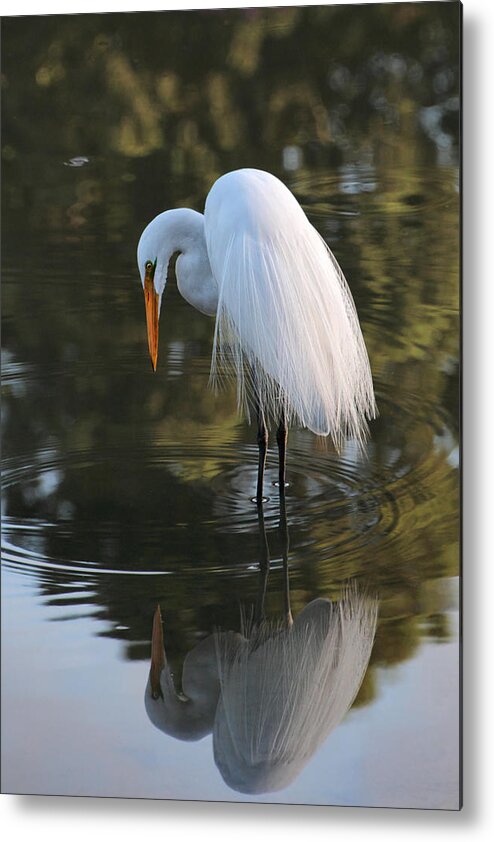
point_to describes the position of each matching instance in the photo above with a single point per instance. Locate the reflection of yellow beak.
(157, 655)
(151, 299)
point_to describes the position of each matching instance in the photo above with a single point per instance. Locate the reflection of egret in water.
(272, 694)
(188, 715)
(283, 690)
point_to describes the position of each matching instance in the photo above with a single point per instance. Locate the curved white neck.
(182, 717)
(180, 230)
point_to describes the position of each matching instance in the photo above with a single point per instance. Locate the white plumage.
(283, 690)
(286, 325)
(271, 695)
(284, 309)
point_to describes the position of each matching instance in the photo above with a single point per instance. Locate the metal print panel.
(230, 405)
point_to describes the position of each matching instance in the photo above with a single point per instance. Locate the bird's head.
(153, 257)
(177, 231)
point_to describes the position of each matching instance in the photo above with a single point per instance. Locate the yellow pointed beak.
(152, 301)
(157, 654)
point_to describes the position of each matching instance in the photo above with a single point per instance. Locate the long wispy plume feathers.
(283, 690)
(286, 325)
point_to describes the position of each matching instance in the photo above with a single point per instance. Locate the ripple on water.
(94, 513)
(396, 193)
(18, 375)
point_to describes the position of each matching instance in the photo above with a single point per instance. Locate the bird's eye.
(148, 266)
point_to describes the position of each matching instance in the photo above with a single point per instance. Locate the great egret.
(284, 689)
(286, 323)
(271, 694)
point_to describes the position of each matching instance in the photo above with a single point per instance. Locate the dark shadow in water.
(272, 693)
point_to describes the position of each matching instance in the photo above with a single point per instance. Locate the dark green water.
(123, 489)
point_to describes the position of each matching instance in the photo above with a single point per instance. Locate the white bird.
(283, 690)
(286, 324)
(270, 695)
(273, 693)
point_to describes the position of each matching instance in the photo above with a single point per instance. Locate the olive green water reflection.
(111, 472)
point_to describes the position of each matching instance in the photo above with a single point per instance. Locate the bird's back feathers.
(286, 323)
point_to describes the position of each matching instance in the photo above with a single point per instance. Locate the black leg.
(285, 547)
(262, 441)
(263, 567)
(282, 438)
